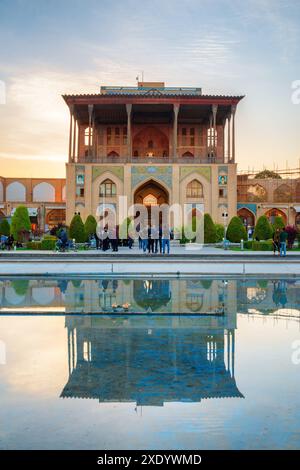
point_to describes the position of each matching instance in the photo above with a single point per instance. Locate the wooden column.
(223, 139)
(214, 116)
(129, 146)
(233, 110)
(228, 138)
(175, 129)
(90, 108)
(74, 139)
(71, 108)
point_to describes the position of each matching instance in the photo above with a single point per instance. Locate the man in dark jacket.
(283, 239)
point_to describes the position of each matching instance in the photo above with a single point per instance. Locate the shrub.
(90, 226)
(292, 234)
(248, 245)
(262, 245)
(77, 229)
(4, 227)
(220, 231)
(20, 223)
(263, 229)
(236, 230)
(34, 245)
(278, 223)
(210, 233)
(48, 242)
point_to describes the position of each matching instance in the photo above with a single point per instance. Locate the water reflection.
(150, 296)
(151, 361)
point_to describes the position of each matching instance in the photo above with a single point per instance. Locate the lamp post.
(225, 218)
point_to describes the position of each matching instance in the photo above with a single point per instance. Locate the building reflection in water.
(151, 360)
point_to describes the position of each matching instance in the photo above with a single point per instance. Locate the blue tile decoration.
(139, 174)
(251, 207)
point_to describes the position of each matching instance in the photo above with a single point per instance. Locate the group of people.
(155, 239)
(7, 242)
(280, 237)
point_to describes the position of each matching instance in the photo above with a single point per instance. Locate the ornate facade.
(153, 145)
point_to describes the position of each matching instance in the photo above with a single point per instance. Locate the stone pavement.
(181, 262)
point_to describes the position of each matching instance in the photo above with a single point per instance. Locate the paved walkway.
(181, 262)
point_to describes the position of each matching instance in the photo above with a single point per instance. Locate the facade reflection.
(151, 296)
(151, 360)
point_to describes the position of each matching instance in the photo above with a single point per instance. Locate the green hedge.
(220, 231)
(262, 246)
(210, 232)
(48, 243)
(263, 229)
(248, 245)
(77, 230)
(236, 231)
(34, 245)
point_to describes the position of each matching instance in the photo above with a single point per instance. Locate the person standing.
(150, 241)
(166, 235)
(276, 242)
(283, 239)
(144, 238)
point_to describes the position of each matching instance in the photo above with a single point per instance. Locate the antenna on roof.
(138, 76)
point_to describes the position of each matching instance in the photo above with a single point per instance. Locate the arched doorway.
(247, 217)
(56, 217)
(151, 194)
(272, 213)
(152, 295)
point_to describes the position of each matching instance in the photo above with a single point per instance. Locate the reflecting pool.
(224, 374)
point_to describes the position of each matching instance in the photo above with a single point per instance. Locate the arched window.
(86, 135)
(188, 154)
(297, 221)
(107, 189)
(113, 154)
(256, 193)
(283, 193)
(194, 189)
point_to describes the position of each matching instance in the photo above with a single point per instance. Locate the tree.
(292, 234)
(4, 227)
(90, 226)
(220, 231)
(210, 233)
(267, 174)
(263, 229)
(77, 229)
(278, 223)
(236, 230)
(20, 223)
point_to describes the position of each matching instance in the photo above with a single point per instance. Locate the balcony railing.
(150, 160)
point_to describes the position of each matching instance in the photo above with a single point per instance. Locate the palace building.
(152, 144)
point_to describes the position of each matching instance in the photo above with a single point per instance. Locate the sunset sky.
(73, 46)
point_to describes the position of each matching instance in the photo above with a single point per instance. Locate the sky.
(52, 47)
